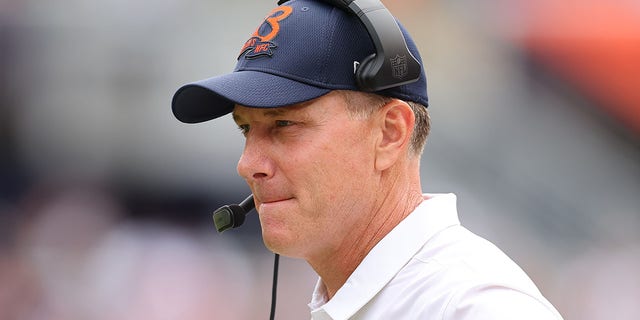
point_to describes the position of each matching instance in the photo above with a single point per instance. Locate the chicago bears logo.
(260, 43)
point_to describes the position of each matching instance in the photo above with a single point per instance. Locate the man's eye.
(284, 123)
(244, 128)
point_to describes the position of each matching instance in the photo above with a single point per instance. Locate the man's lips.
(272, 201)
(269, 201)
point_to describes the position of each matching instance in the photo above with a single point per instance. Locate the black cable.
(274, 287)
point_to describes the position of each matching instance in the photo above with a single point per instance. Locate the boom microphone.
(232, 215)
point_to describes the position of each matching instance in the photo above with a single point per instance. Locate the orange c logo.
(273, 18)
(260, 45)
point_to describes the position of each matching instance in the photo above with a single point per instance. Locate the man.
(335, 176)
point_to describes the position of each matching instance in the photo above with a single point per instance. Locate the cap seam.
(330, 37)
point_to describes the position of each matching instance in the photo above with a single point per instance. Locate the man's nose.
(255, 163)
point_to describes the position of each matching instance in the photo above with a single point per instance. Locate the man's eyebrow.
(275, 112)
(236, 117)
(267, 113)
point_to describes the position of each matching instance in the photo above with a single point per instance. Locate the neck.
(387, 208)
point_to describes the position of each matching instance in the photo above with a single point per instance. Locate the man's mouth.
(270, 201)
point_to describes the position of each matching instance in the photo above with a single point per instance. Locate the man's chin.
(279, 242)
(275, 245)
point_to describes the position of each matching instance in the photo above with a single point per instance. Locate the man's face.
(309, 167)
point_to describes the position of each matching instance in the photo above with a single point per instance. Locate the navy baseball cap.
(301, 51)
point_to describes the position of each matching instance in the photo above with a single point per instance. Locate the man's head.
(321, 157)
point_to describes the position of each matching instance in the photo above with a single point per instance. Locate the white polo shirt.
(430, 267)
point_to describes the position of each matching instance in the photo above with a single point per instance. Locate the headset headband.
(393, 64)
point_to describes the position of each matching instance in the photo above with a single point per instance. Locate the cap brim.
(214, 97)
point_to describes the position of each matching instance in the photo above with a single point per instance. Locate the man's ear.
(396, 121)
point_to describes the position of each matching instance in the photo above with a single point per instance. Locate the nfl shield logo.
(399, 66)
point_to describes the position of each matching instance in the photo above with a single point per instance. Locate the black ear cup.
(365, 74)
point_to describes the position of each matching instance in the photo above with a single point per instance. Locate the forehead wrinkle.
(279, 111)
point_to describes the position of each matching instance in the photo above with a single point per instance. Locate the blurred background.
(105, 198)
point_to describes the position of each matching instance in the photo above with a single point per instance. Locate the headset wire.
(274, 286)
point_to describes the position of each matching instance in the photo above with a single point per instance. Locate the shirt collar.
(387, 258)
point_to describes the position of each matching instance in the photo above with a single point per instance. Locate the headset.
(374, 73)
